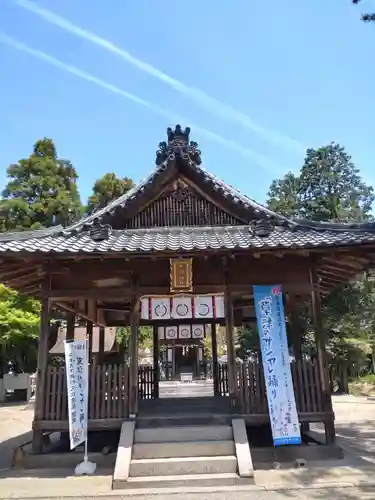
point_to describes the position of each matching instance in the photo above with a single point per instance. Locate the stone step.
(183, 434)
(195, 419)
(178, 466)
(183, 449)
(181, 481)
(185, 401)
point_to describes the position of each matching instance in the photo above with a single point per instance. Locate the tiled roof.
(190, 238)
(217, 184)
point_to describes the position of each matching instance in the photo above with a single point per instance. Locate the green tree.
(107, 188)
(145, 336)
(367, 16)
(329, 188)
(247, 341)
(19, 329)
(41, 191)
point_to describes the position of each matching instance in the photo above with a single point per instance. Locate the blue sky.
(258, 81)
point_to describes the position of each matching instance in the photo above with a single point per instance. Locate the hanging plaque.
(181, 275)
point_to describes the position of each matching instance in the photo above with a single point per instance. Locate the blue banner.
(276, 365)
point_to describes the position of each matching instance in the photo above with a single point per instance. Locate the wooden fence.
(109, 389)
(108, 392)
(251, 390)
(146, 382)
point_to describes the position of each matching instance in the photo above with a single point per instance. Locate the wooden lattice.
(182, 208)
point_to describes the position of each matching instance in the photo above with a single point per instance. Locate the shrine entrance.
(185, 346)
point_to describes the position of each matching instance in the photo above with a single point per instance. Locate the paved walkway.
(15, 430)
(351, 479)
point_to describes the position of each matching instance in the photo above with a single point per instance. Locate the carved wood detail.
(179, 206)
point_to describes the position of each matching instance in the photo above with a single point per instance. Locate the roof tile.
(189, 238)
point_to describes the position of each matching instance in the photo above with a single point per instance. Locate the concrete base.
(244, 460)
(152, 483)
(263, 457)
(66, 460)
(124, 453)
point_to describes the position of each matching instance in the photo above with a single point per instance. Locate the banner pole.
(86, 468)
(86, 455)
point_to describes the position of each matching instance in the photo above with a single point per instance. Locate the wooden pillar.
(156, 362)
(215, 372)
(294, 326)
(70, 324)
(101, 346)
(40, 393)
(231, 354)
(173, 351)
(133, 352)
(89, 328)
(321, 351)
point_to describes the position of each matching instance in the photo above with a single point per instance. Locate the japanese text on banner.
(276, 365)
(77, 387)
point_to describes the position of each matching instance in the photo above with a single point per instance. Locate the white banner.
(269, 308)
(77, 388)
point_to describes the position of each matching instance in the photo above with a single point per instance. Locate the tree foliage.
(367, 16)
(19, 328)
(329, 188)
(41, 191)
(145, 336)
(107, 188)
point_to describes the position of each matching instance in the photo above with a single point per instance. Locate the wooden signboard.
(181, 275)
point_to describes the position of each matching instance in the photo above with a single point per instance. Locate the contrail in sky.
(199, 96)
(246, 152)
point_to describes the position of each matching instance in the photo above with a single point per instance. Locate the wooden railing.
(251, 390)
(108, 392)
(109, 389)
(146, 382)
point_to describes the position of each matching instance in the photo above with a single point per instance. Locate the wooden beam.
(69, 308)
(321, 350)
(133, 348)
(89, 328)
(120, 293)
(215, 374)
(229, 329)
(18, 271)
(156, 356)
(40, 393)
(70, 326)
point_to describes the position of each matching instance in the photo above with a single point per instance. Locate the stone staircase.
(183, 411)
(177, 389)
(180, 449)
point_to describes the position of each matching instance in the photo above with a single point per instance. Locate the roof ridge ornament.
(178, 145)
(261, 227)
(100, 232)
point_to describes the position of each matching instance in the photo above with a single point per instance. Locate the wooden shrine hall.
(180, 251)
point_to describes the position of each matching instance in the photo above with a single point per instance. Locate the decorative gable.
(179, 205)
